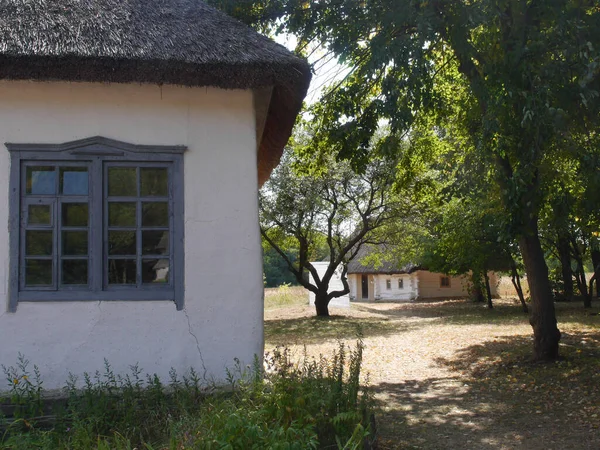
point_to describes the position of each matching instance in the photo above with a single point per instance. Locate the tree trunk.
(516, 281)
(488, 289)
(322, 304)
(593, 279)
(596, 263)
(543, 316)
(564, 253)
(580, 276)
(477, 289)
(583, 287)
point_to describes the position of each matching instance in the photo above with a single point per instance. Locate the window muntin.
(59, 225)
(55, 225)
(138, 225)
(445, 281)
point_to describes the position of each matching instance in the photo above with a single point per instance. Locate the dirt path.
(452, 375)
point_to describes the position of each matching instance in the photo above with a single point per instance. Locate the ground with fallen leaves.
(455, 375)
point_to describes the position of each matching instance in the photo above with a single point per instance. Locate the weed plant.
(278, 404)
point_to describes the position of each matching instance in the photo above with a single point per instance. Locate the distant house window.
(98, 220)
(445, 281)
(388, 284)
(400, 283)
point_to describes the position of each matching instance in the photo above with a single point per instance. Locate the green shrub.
(314, 403)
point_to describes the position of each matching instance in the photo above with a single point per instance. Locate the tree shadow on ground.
(385, 320)
(466, 312)
(501, 400)
(316, 330)
(452, 311)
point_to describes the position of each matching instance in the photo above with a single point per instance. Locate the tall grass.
(315, 403)
(285, 295)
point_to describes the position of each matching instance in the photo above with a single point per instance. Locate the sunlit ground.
(455, 375)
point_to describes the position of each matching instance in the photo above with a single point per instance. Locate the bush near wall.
(285, 405)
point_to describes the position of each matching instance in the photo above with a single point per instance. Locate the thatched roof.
(384, 264)
(181, 42)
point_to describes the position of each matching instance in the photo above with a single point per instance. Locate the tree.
(531, 68)
(276, 268)
(333, 204)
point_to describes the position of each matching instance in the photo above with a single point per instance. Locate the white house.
(385, 281)
(137, 135)
(334, 285)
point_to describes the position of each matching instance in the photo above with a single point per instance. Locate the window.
(388, 284)
(400, 283)
(444, 281)
(98, 220)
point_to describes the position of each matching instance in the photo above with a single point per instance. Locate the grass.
(453, 374)
(285, 296)
(285, 404)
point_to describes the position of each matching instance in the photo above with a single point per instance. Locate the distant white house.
(334, 285)
(387, 282)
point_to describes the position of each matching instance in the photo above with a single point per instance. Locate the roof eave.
(289, 79)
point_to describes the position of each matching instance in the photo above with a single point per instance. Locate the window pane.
(38, 243)
(122, 181)
(154, 182)
(75, 214)
(121, 243)
(73, 181)
(74, 243)
(155, 242)
(38, 215)
(121, 214)
(75, 271)
(155, 214)
(38, 272)
(155, 271)
(41, 180)
(121, 271)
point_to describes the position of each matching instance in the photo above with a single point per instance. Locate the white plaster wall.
(394, 294)
(353, 279)
(223, 319)
(429, 285)
(335, 284)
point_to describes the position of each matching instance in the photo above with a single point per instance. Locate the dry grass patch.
(285, 296)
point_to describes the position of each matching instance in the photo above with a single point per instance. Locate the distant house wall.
(378, 287)
(430, 285)
(334, 285)
(355, 282)
(494, 283)
(417, 285)
(222, 319)
(408, 291)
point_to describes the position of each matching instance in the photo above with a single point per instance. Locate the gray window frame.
(98, 153)
(400, 283)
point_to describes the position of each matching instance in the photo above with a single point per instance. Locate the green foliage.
(275, 267)
(310, 404)
(25, 388)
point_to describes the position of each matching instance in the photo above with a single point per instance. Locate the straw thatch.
(182, 42)
(385, 264)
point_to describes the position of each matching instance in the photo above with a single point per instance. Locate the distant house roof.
(180, 42)
(385, 265)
